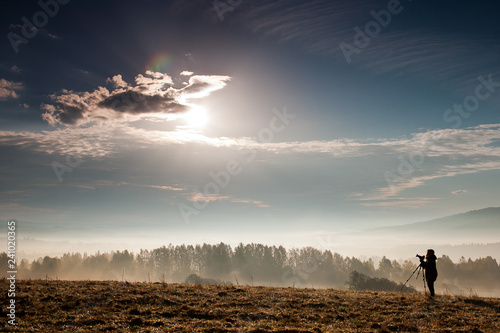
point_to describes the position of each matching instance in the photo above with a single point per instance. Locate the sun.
(197, 117)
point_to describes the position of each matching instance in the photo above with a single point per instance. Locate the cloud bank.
(152, 95)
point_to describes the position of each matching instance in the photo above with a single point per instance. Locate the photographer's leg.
(430, 284)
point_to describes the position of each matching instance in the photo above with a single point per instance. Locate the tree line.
(250, 264)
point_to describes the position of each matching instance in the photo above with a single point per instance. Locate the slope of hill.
(477, 226)
(487, 219)
(472, 234)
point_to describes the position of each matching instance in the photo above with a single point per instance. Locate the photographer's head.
(430, 253)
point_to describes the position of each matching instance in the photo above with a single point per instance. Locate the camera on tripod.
(419, 269)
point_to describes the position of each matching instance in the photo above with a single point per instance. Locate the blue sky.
(247, 118)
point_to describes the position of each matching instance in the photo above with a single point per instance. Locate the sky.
(237, 120)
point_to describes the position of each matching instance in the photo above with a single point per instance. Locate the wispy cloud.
(454, 144)
(459, 192)
(442, 57)
(445, 153)
(409, 52)
(166, 188)
(251, 202)
(319, 27)
(199, 197)
(400, 202)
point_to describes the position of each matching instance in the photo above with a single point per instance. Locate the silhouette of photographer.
(429, 265)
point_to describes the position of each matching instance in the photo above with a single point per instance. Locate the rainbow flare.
(160, 62)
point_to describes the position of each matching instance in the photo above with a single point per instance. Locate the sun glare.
(197, 117)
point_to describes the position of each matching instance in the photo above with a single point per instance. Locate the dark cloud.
(151, 95)
(70, 114)
(135, 102)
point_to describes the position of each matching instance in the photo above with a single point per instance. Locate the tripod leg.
(410, 277)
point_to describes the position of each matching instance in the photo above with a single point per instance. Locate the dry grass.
(109, 306)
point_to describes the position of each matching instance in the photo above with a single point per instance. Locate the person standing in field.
(429, 266)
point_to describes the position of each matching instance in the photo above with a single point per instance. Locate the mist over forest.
(257, 264)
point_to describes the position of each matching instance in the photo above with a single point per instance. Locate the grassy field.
(110, 306)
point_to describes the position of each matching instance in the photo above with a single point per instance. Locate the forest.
(254, 264)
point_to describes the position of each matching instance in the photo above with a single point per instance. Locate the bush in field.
(360, 281)
(195, 279)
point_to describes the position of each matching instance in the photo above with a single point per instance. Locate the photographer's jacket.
(430, 267)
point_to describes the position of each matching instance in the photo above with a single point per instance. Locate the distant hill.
(472, 234)
(482, 219)
(477, 226)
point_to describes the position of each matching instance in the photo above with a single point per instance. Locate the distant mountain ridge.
(476, 226)
(474, 233)
(485, 218)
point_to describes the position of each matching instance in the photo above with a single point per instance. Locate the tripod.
(419, 268)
